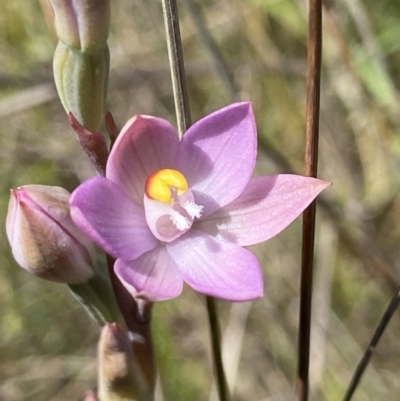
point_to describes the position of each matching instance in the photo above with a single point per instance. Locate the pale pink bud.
(82, 24)
(43, 237)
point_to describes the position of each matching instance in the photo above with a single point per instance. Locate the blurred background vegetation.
(234, 49)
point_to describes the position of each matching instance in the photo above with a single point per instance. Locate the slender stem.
(362, 365)
(177, 65)
(216, 347)
(311, 161)
(175, 53)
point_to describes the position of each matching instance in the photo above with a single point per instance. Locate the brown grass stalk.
(311, 162)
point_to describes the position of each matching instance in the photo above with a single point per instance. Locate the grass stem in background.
(176, 61)
(362, 365)
(311, 160)
(175, 54)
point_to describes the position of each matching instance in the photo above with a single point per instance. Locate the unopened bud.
(82, 24)
(81, 79)
(119, 374)
(43, 237)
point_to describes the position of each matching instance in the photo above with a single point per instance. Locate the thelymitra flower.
(175, 211)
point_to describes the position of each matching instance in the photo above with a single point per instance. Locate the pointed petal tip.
(319, 185)
(324, 184)
(239, 105)
(266, 206)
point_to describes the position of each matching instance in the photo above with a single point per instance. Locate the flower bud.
(82, 24)
(43, 237)
(81, 79)
(119, 374)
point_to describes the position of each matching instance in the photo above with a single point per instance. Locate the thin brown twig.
(311, 161)
(175, 54)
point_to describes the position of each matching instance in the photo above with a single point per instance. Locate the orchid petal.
(217, 155)
(265, 208)
(106, 215)
(219, 269)
(145, 145)
(153, 276)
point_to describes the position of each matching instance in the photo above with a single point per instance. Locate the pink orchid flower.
(175, 211)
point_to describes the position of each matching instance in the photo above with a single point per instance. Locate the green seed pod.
(81, 79)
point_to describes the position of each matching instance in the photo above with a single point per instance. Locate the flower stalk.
(311, 161)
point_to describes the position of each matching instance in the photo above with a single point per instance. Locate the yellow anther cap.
(160, 183)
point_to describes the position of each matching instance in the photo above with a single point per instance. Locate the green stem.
(177, 65)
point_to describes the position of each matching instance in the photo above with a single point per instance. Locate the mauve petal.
(219, 269)
(153, 276)
(265, 208)
(106, 215)
(217, 154)
(145, 145)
